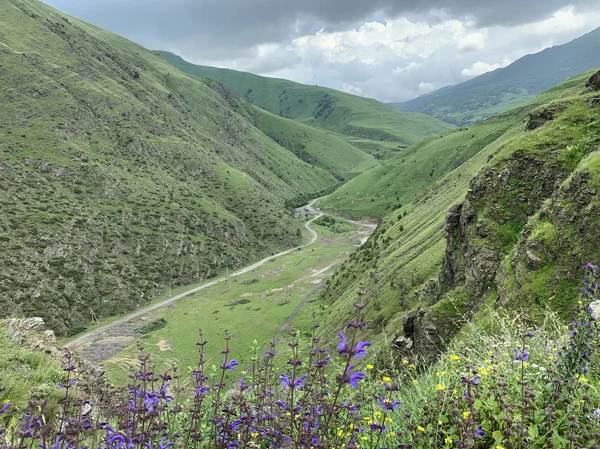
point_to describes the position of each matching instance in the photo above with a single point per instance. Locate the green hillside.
(368, 124)
(406, 176)
(120, 175)
(497, 91)
(512, 226)
(317, 147)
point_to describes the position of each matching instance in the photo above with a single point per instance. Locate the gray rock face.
(593, 84)
(540, 118)
(25, 324)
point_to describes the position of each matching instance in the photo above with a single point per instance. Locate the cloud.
(392, 50)
(479, 68)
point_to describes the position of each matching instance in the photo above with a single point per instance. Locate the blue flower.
(229, 365)
(296, 384)
(522, 357)
(387, 404)
(5, 408)
(479, 432)
(352, 378)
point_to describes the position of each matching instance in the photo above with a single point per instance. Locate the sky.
(391, 50)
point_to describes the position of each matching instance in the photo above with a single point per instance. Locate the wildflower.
(466, 415)
(448, 440)
(5, 408)
(352, 378)
(522, 357)
(596, 414)
(386, 379)
(440, 423)
(415, 381)
(483, 371)
(454, 358)
(229, 365)
(411, 366)
(440, 373)
(440, 387)
(479, 432)
(420, 429)
(405, 362)
(369, 367)
(358, 351)
(500, 447)
(387, 404)
(296, 384)
(583, 380)
(594, 309)
(164, 445)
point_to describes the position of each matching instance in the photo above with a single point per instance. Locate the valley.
(253, 304)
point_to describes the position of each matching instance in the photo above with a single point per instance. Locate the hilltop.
(369, 125)
(121, 175)
(494, 92)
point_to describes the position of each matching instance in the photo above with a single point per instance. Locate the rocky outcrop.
(540, 118)
(593, 84)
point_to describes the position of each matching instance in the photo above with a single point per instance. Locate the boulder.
(540, 118)
(593, 84)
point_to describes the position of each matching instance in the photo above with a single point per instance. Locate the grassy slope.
(404, 177)
(317, 147)
(406, 251)
(497, 91)
(120, 175)
(368, 124)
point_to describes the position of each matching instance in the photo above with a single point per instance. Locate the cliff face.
(525, 229)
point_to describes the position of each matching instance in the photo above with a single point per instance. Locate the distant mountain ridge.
(501, 89)
(372, 126)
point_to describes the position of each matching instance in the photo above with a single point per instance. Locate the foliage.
(498, 389)
(121, 176)
(367, 124)
(151, 326)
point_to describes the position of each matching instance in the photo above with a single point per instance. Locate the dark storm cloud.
(236, 25)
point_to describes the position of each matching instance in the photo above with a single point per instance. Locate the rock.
(594, 102)
(540, 118)
(593, 84)
(25, 324)
(533, 261)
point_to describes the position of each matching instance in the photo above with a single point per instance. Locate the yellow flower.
(411, 366)
(466, 415)
(340, 432)
(454, 358)
(500, 447)
(583, 380)
(483, 371)
(386, 379)
(440, 387)
(415, 381)
(405, 362)
(490, 352)
(364, 438)
(440, 373)
(440, 423)
(369, 366)
(550, 358)
(420, 429)
(377, 414)
(288, 414)
(448, 440)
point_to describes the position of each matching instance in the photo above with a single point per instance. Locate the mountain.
(510, 228)
(121, 175)
(501, 89)
(371, 126)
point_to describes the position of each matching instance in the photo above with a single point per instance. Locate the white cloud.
(479, 68)
(398, 59)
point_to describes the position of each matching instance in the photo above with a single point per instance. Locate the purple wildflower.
(229, 365)
(479, 432)
(521, 357)
(296, 384)
(387, 404)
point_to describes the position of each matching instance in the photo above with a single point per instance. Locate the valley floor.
(255, 303)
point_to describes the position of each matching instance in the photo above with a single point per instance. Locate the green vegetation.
(495, 92)
(21, 368)
(404, 177)
(314, 146)
(152, 326)
(120, 175)
(508, 227)
(258, 305)
(369, 125)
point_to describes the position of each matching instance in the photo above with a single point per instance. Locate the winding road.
(83, 338)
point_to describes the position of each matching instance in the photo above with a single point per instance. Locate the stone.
(540, 118)
(593, 84)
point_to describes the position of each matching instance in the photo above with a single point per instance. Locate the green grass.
(24, 370)
(317, 147)
(255, 306)
(385, 128)
(122, 176)
(407, 250)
